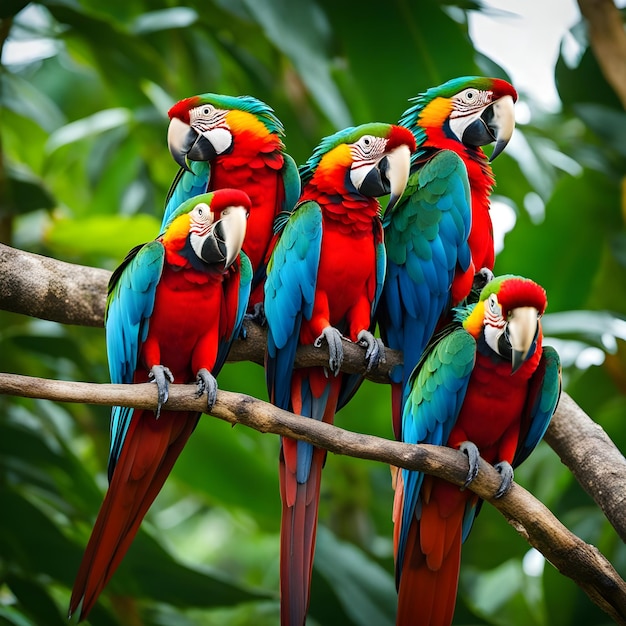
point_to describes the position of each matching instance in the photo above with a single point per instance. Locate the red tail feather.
(297, 539)
(149, 453)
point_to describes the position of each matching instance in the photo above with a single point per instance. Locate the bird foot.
(162, 376)
(506, 472)
(257, 315)
(206, 383)
(335, 350)
(375, 349)
(482, 277)
(473, 457)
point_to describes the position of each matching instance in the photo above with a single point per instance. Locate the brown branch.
(593, 458)
(581, 562)
(608, 41)
(50, 289)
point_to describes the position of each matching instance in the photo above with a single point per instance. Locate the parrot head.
(371, 160)
(473, 110)
(204, 127)
(507, 315)
(209, 229)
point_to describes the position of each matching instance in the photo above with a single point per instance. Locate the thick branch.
(51, 290)
(608, 41)
(593, 458)
(42, 287)
(583, 563)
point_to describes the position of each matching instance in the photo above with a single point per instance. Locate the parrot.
(324, 278)
(440, 234)
(173, 305)
(487, 386)
(234, 141)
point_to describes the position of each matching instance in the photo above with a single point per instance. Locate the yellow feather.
(436, 112)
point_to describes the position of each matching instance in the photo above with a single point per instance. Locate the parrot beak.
(522, 330)
(399, 167)
(186, 144)
(502, 113)
(495, 124)
(223, 243)
(389, 175)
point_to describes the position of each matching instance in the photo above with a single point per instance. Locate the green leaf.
(106, 235)
(176, 17)
(25, 99)
(37, 603)
(25, 192)
(365, 590)
(95, 124)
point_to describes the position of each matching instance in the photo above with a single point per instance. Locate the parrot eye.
(366, 143)
(202, 212)
(494, 307)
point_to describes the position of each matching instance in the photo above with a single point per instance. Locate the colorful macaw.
(440, 234)
(487, 386)
(174, 306)
(234, 141)
(323, 282)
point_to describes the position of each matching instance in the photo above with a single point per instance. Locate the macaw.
(323, 282)
(234, 141)
(173, 307)
(440, 233)
(489, 387)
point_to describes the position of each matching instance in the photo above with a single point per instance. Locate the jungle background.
(84, 170)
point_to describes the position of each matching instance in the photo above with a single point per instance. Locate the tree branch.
(608, 41)
(49, 289)
(581, 562)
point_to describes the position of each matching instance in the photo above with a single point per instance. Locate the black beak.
(376, 183)
(186, 144)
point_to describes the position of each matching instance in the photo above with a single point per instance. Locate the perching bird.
(174, 306)
(440, 233)
(489, 387)
(234, 141)
(324, 279)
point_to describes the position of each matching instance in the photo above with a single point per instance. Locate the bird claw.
(206, 383)
(162, 376)
(335, 350)
(258, 314)
(482, 277)
(375, 349)
(506, 472)
(473, 457)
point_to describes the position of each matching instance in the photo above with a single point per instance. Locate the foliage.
(83, 177)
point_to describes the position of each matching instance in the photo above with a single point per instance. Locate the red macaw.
(174, 306)
(226, 141)
(488, 386)
(440, 233)
(324, 279)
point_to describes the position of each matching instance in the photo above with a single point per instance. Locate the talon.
(206, 383)
(162, 376)
(473, 456)
(482, 277)
(258, 314)
(506, 472)
(375, 349)
(335, 350)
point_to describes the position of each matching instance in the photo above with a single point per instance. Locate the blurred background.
(84, 169)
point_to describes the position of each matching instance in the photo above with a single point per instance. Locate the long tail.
(297, 536)
(428, 577)
(150, 450)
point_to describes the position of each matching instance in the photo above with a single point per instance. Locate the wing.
(543, 396)
(130, 303)
(437, 390)
(426, 241)
(236, 295)
(289, 295)
(186, 185)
